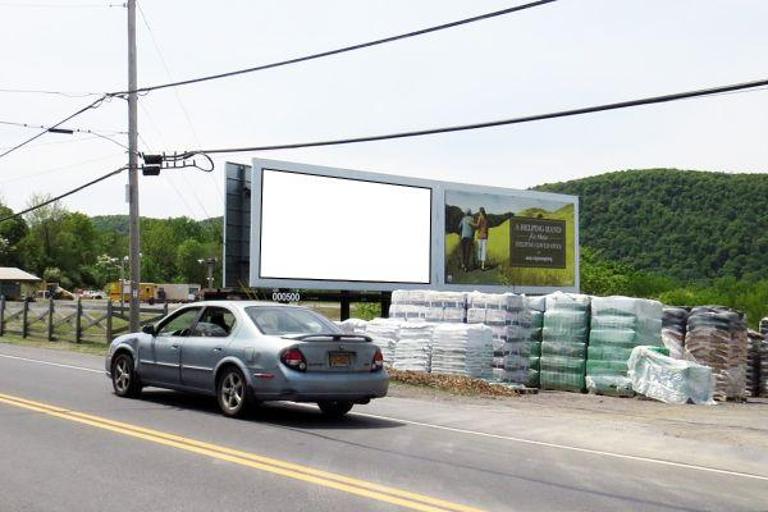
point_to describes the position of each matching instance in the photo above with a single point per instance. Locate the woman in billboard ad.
(508, 240)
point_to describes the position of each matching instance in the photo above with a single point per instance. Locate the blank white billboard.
(339, 229)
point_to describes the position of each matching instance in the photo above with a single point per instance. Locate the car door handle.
(175, 346)
(217, 349)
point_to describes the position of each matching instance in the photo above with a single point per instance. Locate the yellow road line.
(308, 474)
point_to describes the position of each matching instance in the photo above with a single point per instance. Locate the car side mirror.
(149, 329)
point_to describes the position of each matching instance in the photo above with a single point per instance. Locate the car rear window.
(287, 320)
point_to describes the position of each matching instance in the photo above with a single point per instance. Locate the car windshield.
(286, 320)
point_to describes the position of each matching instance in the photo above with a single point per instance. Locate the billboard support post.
(344, 303)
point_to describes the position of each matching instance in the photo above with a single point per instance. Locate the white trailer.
(173, 292)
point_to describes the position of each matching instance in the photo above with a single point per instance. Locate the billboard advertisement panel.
(337, 229)
(513, 239)
(321, 228)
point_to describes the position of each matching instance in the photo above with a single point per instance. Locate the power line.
(188, 118)
(95, 104)
(68, 129)
(502, 122)
(96, 134)
(65, 194)
(344, 49)
(65, 6)
(67, 94)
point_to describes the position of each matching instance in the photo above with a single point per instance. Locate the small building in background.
(16, 284)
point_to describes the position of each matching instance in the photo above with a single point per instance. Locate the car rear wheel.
(125, 382)
(232, 393)
(335, 408)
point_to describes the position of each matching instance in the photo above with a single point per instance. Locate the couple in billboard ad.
(494, 239)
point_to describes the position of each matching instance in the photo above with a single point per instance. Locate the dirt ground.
(741, 424)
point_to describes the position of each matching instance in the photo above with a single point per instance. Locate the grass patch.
(454, 384)
(85, 347)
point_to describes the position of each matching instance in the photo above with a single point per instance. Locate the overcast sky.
(568, 54)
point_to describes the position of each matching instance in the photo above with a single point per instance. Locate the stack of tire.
(536, 307)
(618, 325)
(717, 337)
(564, 342)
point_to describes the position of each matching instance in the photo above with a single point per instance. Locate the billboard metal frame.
(437, 257)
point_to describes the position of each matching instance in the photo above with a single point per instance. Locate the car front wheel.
(232, 393)
(335, 408)
(125, 382)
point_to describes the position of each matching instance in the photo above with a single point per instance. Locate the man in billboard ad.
(509, 240)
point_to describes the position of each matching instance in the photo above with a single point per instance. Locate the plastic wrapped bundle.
(446, 306)
(619, 324)
(462, 349)
(669, 380)
(763, 369)
(408, 304)
(353, 326)
(536, 307)
(717, 337)
(507, 316)
(385, 332)
(673, 327)
(414, 347)
(564, 342)
(753, 362)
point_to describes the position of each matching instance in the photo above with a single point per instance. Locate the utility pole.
(211, 263)
(133, 171)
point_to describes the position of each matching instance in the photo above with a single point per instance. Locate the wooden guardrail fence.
(74, 321)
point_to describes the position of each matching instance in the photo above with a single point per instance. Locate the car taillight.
(294, 359)
(378, 361)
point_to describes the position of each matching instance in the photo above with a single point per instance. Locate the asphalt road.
(68, 444)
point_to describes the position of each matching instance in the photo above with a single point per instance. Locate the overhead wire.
(500, 122)
(164, 62)
(58, 168)
(65, 194)
(76, 130)
(343, 49)
(95, 133)
(66, 94)
(170, 181)
(94, 104)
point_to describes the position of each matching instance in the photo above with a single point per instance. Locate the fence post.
(24, 315)
(78, 320)
(2, 315)
(109, 321)
(50, 319)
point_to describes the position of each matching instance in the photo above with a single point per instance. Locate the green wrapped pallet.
(536, 307)
(564, 342)
(618, 325)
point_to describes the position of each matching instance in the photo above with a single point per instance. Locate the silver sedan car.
(247, 352)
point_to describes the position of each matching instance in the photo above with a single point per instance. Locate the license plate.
(340, 359)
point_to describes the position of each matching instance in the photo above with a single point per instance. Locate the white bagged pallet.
(414, 347)
(385, 332)
(462, 349)
(446, 306)
(353, 326)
